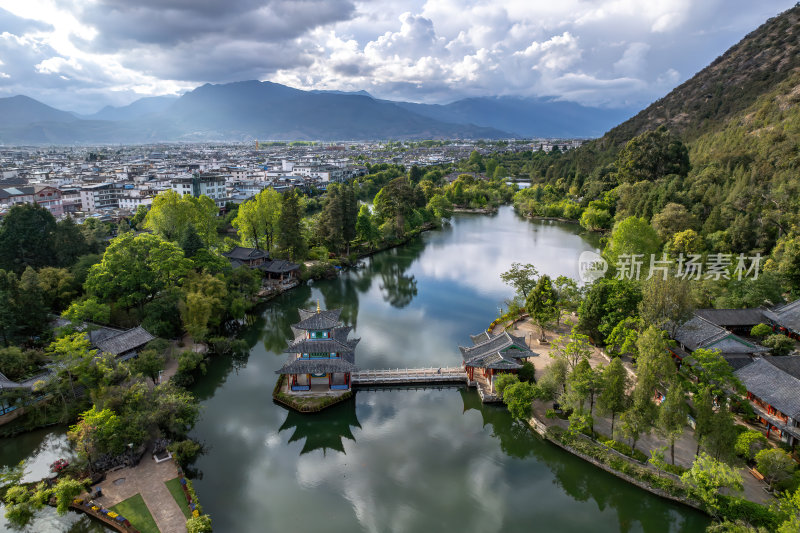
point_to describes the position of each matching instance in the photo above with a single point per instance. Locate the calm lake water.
(407, 460)
(400, 460)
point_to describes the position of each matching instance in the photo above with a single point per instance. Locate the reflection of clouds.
(477, 252)
(402, 477)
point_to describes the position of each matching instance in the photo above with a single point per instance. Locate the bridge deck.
(412, 376)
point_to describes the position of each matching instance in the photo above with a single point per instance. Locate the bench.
(756, 474)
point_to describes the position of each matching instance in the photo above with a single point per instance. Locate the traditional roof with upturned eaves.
(502, 351)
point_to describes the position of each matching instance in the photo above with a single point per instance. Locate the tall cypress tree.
(290, 231)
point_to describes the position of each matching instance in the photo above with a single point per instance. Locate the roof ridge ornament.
(318, 310)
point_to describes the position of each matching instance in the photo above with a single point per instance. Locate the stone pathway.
(685, 446)
(147, 479)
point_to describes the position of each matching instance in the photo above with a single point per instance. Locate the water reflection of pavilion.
(324, 430)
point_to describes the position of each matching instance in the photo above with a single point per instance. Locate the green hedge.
(624, 449)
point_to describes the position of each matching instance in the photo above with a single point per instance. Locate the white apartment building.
(100, 196)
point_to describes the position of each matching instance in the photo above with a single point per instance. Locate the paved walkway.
(685, 446)
(147, 479)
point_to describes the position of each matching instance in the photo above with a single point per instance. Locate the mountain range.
(247, 110)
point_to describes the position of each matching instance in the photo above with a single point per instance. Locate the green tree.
(394, 203)
(441, 207)
(721, 437)
(584, 384)
(622, 339)
(760, 330)
(522, 277)
(750, 442)
(542, 304)
(257, 220)
(703, 402)
(527, 372)
(365, 227)
(87, 310)
(607, 302)
(73, 356)
(654, 366)
(673, 219)
(203, 304)
(27, 238)
(707, 478)
(290, 227)
(97, 432)
(686, 242)
(148, 363)
(135, 269)
(519, 397)
(632, 236)
(667, 302)
(637, 420)
(66, 490)
(779, 344)
(614, 396)
(58, 287)
(596, 218)
(572, 349)
(504, 380)
(30, 308)
(172, 214)
(672, 416)
(569, 295)
(653, 154)
(554, 379)
(775, 464)
(69, 242)
(712, 369)
(190, 242)
(789, 509)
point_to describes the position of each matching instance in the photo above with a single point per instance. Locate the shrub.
(733, 509)
(185, 451)
(527, 372)
(624, 449)
(780, 344)
(199, 524)
(750, 442)
(760, 330)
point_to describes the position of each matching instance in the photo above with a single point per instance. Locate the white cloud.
(609, 52)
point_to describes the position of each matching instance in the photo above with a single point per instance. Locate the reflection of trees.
(582, 481)
(397, 287)
(324, 430)
(280, 314)
(342, 293)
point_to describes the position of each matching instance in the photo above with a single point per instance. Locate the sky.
(80, 55)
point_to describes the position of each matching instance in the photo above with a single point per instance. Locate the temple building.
(492, 355)
(321, 356)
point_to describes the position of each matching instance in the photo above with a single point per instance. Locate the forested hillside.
(714, 166)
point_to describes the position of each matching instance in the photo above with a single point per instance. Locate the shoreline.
(541, 429)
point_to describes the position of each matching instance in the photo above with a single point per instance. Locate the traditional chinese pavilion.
(494, 354)
(321, 356)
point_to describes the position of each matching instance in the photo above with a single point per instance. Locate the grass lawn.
(135, 510)
(174, 486)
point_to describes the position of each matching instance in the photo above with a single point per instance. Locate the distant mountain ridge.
(135, 110)
(247, 110)
(529, 117)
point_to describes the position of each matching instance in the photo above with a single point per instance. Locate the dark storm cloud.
(123, 24)
(209, 59)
